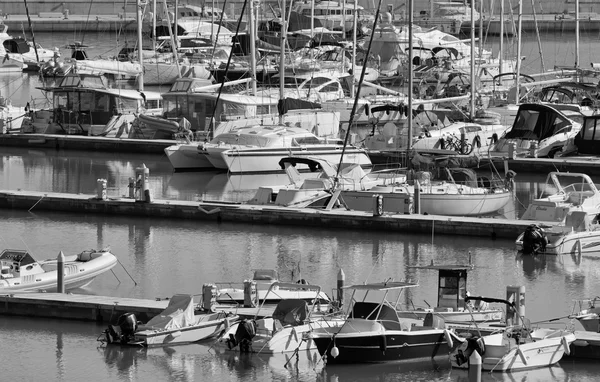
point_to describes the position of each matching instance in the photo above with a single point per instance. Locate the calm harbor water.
(168, 256)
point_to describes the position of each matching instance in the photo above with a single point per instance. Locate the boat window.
(170, 107)
(153, 104)
(588, 131)
(128, 106)
(472, 129)
(102, 102)
(302, 141)
(333, 87)
(60, 100)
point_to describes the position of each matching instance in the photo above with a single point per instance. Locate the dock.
(64, 22)
(82, 142)
(261, 214)
(83, 307)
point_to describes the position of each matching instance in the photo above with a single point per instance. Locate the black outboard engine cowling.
(534, 240)
(123, 331)
(244, 334)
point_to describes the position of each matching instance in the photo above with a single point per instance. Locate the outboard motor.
(472, 344)
(534, 240)
(244, 334)
(123, 331)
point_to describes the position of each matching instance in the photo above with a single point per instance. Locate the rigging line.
(362, 77)
(237, 31)
(87, 21)
(219, 30)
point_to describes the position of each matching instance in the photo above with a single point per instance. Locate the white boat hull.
(568, 243)
(188, 157)
(463, 204)
(503, 354)
(284, 340)
(77, 274)
(257, 160)
(205, 329)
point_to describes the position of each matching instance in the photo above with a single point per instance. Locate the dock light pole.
(60, 272)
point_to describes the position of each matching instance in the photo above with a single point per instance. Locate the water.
(166, 256)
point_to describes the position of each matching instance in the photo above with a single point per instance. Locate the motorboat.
(451, 305)
(448, 16)
(32, 56)
(373, 332)
(514, 347)
(317, 192)
(539, 130)
(286, 330)
(571, 202)
(177, 324)
(85, 105)
(462, 193)
(260, 148)
(21, 272)
(587, 313)
(586, 140)
(268, 289)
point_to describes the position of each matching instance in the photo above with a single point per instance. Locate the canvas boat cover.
(291, 312)
(178, 314)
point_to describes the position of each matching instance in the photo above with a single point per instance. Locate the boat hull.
(267, 160)
(77, 274)
(503, 354)
(389, 346)
(204, 330)
(188, 157)
(568, 243)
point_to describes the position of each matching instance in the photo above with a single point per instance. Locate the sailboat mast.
(253, 40)
(519, 26)
(355, 23)
(501, 52)
(576, 34)
(409, 121)
(282, 54)
(472, 108)
(138, 13)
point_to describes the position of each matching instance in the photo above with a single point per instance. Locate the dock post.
(142, 175)
(417, 201)
(516, 295)
(60, 272)
(377, 205)
(101, 189)
(209, 297)
(475, 367)
(131, 187)
(341, 279)
(250, 294)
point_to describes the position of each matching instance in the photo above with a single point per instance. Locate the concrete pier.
(64, 22)
(80, 142)
(245, 213)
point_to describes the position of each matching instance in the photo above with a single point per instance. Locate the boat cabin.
(82, 101)
(452, 286)
(188, 99)
(17, 263)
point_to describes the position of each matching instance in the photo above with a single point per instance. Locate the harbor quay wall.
(254, 214)
(118, 7)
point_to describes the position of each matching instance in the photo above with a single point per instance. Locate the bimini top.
(388, 285)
